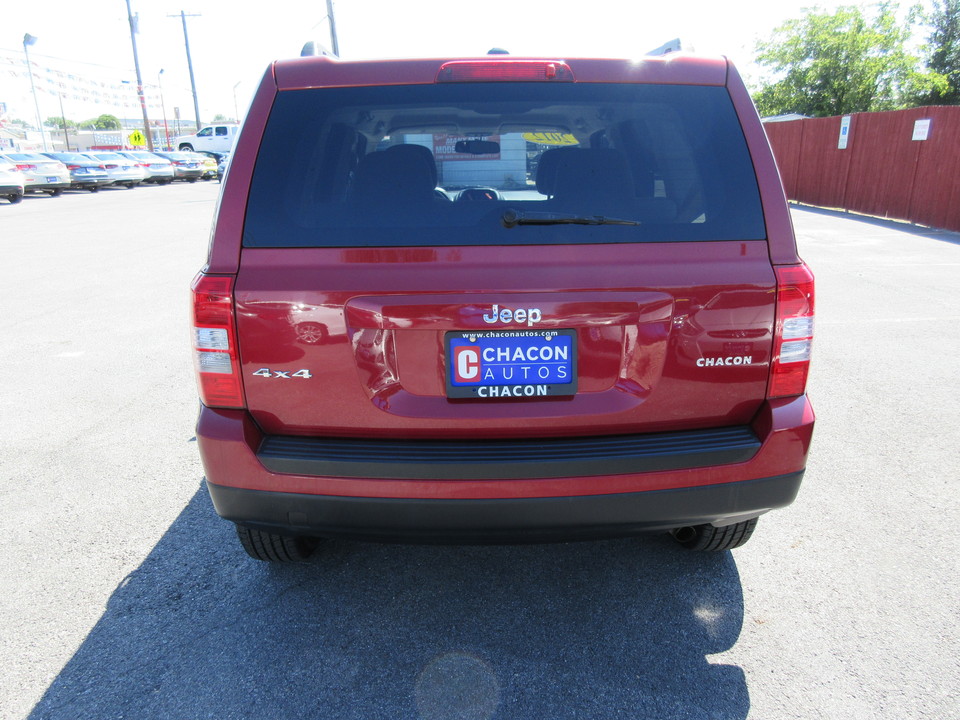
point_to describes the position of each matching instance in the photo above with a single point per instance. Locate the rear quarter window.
(442, 164)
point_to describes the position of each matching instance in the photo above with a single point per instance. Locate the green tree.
(59, 122)
(826, 64)
(106, 122)
(945, 51)
(220, 118)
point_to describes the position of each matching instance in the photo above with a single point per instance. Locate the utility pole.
(193, 84)
(136, 64)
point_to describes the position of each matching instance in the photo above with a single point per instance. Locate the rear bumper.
(126, 179)
(40, 186)
(486, 520)
(420, 460)
(677, 479)
(84, 183)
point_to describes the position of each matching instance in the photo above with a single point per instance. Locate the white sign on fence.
(921, 129)
(844, 132)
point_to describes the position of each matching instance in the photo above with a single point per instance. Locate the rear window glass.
(502, 164)
(71, 157)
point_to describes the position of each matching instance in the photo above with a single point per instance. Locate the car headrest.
(547, 168)
(402, 173)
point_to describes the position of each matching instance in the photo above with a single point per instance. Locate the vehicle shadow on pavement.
(903, 226)
(581, 630)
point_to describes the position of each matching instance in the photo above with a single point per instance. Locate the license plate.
(53, 179)
(511, 363)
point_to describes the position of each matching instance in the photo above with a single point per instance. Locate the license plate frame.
(510, 363)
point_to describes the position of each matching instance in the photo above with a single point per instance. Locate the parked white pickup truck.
(219, 138)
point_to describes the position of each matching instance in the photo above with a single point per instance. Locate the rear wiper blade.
(511, 217)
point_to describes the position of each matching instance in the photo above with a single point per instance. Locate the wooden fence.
(883, 170)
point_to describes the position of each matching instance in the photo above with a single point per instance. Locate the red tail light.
(793, 334)
(505, 71)
(215, 354)
(26, 167)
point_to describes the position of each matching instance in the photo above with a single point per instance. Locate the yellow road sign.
(137, 139)
(544, 138)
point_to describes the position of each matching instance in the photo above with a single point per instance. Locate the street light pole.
(29, 39)
(193, 84)
(236, 113)
(163, 109)
(136, 64)
(63, 120)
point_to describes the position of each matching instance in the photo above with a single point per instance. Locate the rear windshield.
(70, 157)
(502, 164)
(27, 156)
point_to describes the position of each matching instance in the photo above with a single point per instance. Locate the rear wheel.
(15, 198)
(710, 538)
(271, 547)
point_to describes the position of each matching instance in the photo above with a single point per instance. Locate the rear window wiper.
(511, 217)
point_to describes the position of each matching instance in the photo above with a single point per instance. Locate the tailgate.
(351, 342)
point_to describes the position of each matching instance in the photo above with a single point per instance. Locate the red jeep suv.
(501, 300)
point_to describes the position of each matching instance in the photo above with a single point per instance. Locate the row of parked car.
(54, 172)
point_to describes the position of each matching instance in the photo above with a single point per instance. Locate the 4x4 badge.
(286, 374)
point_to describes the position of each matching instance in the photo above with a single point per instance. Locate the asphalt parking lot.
(126, 597)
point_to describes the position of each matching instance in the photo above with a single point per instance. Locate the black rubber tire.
(270, 547)
(56, 192)
(186, 148)
(93, 189)
(715, 539)
(191, 180)
(14, 199)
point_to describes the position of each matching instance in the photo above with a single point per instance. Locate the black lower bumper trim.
(507, 459)
(499, 520)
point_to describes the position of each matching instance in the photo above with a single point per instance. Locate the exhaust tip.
(684, 534)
